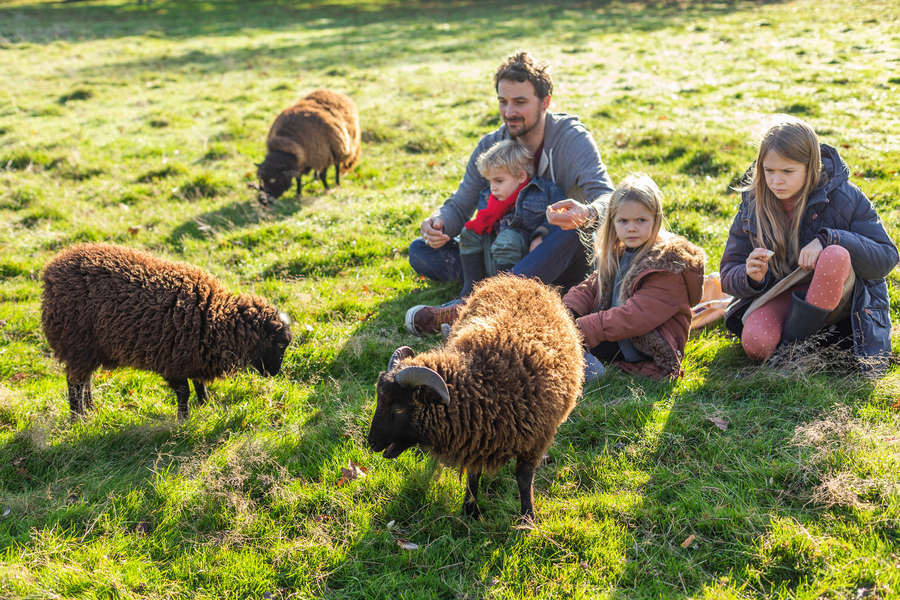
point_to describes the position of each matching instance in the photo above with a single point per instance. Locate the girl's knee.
(835, 258)
(759, 343)
(758, 347)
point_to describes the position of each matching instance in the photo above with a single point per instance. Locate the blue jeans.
(559, 260)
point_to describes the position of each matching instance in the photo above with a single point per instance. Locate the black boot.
(473, 271)
(803, 320)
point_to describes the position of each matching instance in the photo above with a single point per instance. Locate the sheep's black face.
(273, 346)
(273, 182)
(392, 428)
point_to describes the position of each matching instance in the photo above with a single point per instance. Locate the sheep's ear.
(399, 354)
(419, 376)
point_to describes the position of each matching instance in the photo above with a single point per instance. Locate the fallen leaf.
(367, 316)
(718, 422)
(351, 472)
(407, 545)
(134, 230)
(309, 327)
(896, 404)
(688, 541)
(6, 512)
(391, 524)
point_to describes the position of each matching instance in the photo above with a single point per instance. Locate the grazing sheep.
(317, 132)
(504, 380)
(112, 306)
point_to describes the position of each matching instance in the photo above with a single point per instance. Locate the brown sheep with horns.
(319, 131)
(507, 376)
(112, 306)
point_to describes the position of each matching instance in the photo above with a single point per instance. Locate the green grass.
(140, 125)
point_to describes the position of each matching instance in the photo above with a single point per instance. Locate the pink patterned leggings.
(762, 331)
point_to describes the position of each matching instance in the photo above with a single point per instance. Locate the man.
(563, 151)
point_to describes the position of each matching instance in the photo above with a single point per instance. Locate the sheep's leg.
(323, 176)
(182, 392)
(200, 389)
(76, 399)
(337, 174)
(87, 399)
(299, 184)
(525, 479)
(470, 501)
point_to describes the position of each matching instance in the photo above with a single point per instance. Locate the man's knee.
(418, 250)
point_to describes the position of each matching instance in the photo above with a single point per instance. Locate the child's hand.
(758, 263)
(535, 242)
(809, 254)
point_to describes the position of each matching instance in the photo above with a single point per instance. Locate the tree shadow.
(76, 20)
(367, 36)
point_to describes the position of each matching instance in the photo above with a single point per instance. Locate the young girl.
(636, 308)
(803, 224)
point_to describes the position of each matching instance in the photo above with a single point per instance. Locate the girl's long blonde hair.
(607, 246)
(795, 140)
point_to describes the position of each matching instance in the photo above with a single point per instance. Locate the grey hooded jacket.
(569, 158)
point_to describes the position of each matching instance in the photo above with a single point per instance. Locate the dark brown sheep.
(112, 306)
(504, 380)
(317, 132)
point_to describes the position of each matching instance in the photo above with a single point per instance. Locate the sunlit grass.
(141, 124)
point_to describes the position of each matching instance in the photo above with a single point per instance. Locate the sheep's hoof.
(526, 523)
(182, 416)
(471, 510)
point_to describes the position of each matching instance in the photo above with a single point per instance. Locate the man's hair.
(508, 155)
(521, 66)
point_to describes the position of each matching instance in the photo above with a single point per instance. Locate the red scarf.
(487, 217)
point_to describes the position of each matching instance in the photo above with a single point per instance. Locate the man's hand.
(809, 254)
(758, 263)
(536, 242)
(568, 214)
(432, 230)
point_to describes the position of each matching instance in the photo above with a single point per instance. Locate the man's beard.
(524, 131)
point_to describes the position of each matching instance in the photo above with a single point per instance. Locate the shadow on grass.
(76, 20)
(61, 484)
(237, 216)
(713, 493)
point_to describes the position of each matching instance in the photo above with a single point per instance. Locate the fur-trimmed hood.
(656, 293)
(671, 253)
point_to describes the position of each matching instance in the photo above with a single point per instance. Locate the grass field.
(140, 125)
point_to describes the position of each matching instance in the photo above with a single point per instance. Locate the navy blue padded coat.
(842, 212)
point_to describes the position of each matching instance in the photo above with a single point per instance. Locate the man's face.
(520, 108)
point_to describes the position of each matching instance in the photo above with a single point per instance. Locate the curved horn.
(399, 354)
(416, 376)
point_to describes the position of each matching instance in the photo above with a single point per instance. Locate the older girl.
(802, 223)
(636, 308)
